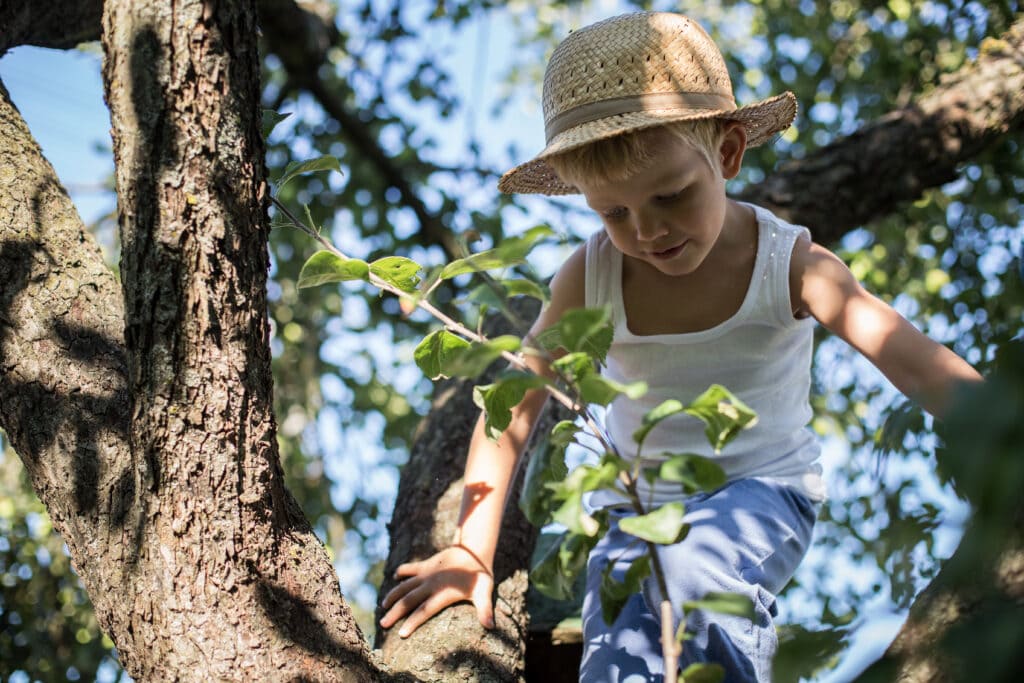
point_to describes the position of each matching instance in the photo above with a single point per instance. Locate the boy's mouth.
(670, 252)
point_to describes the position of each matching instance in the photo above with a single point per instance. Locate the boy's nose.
(650, 229)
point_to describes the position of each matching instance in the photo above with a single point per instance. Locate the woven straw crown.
(631, 72)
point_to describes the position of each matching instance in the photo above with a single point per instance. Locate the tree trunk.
(453, 646)
(154, 448)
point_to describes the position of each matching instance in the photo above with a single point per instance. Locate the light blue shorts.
(747, 537)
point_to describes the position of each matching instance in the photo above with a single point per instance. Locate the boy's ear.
(734, 144)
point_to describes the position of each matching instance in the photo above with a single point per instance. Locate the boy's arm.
(464, 570)
(821, 285)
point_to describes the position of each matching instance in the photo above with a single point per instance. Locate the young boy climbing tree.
(640, 119)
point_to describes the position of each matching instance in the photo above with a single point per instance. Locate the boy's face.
(670, 214)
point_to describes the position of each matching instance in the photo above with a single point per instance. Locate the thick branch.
(63, 391)
(870, 173)
(58, 24)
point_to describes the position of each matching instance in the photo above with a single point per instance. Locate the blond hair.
(612, 159)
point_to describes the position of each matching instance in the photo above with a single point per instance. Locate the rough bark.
(63, 388)
(230, 581)
(147, 429)
(453, 646)
(56, 23)
(892, 161)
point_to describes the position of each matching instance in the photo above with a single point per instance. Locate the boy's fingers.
(406, 603)
(482, 601)
(398, 591)
(429, 607)
(407, 569)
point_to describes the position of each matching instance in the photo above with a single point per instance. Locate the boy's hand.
(453, 575)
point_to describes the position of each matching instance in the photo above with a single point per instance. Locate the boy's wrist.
(476, 557)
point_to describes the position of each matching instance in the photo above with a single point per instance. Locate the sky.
(59, 93)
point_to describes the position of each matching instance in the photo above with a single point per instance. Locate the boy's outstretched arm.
(822, 286)
(464, 570)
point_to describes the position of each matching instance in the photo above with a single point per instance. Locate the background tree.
(361, 80)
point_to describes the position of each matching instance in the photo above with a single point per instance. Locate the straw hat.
(631, 72)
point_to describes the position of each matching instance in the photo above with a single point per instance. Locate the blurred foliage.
(47, 626)
(348, 396)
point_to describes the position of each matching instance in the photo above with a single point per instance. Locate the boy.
(639, 118)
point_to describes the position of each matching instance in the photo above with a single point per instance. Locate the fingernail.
(403, 633)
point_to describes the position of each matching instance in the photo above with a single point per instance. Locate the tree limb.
(870, 173)
(59, 24)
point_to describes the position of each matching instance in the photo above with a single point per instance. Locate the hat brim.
(761, 120)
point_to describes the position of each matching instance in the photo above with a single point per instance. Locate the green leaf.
(694, 472)
(664, 525)
(510, 252)
(575, 366)
(614, 594)
(472, 361)
(723, 603)
(583, 479)
(434, 354)
(270, 120)
(523, 287)
(397, 271)
(703, 672)
(297, 168)
(586, 329)
(723, 414)
(554, 574)
(498, 399)
(564, 433)
(602, 391)
(495, 294)
(545, 466)
(654, 416)
(325, 266)
(573, 515)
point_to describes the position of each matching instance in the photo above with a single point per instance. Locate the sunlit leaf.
(434, 354)
(600, 390)
(694, 472)
(703, 672)
(297, 168)
(664, 525)
(498, 399)
(564, 432)
(585, 478)
(574, 366)
(723, 414)
(723, 603)
(325, 266)
(474, 359)
(398, 271)
(510, 252)
(660, 412)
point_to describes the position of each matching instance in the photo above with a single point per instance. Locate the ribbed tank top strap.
(781, 238)
(599, 276)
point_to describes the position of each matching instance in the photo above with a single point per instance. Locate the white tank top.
(762, 354)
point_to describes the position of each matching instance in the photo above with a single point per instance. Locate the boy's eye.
(617, 213)
(669, 197)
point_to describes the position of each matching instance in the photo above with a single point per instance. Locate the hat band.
(592, 111)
